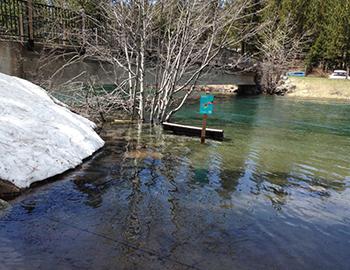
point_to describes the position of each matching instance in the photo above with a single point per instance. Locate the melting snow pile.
(38, 138)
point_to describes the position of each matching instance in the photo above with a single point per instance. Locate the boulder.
(39, 138)
(285, 86)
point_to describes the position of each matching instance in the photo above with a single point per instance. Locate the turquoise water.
(273, 195)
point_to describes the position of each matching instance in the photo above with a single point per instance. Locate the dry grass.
(315, 87)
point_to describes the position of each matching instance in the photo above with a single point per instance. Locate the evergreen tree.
(325, 23)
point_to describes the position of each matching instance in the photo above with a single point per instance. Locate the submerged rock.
(4, 205)
(319, 190)
(39, 138)
(142, 154)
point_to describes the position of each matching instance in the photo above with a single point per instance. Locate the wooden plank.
(215, 134)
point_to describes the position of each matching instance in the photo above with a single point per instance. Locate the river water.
(274, 195)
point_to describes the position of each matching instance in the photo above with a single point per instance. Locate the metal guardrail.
(29, 21)
(13, 19)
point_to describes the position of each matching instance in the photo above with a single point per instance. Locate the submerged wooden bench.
(215, 134)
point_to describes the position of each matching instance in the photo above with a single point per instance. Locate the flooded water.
(274, 195)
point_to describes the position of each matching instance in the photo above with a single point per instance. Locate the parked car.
(339, 75)
(296, 74)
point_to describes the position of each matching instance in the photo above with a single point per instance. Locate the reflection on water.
(274, 195)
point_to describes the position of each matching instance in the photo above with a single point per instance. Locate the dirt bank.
(321, 88)
(8, 190)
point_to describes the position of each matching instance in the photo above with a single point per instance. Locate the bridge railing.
(13, 19)
(29, 21)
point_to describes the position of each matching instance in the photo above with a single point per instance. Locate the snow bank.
(38, 138)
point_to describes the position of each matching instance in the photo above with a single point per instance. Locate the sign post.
(206, 108)
(204, 127)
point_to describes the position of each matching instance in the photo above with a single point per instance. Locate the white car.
(339, 75)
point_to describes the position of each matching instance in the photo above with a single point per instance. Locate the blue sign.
(206, 104)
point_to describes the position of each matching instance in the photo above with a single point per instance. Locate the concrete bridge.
(17, 60)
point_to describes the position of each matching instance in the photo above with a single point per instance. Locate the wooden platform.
(215, 134)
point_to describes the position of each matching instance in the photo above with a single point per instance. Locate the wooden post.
(204, 127)
(30, 24)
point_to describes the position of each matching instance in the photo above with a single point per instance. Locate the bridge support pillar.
(11, 55)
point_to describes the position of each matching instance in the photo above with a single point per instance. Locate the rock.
(4, 208)
(4, 205)
(39, 138)
(222, 89)
(277, 190)
(285, 86)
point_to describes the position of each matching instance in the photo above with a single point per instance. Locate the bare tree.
(155, 52)
(280, 50)
(165, 46)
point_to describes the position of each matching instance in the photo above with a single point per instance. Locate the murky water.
(274, 195)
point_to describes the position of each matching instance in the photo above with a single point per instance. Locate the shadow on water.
(271, 196)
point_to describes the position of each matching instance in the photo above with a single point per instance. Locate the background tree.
(280, 48)
(326, 25)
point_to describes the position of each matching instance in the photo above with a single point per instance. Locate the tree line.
(325, 26)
